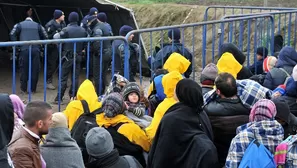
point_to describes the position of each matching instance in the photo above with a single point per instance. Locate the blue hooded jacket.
(287, 60)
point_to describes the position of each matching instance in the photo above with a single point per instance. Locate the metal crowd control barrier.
(287, 29)
(198, 39)
(59, 43)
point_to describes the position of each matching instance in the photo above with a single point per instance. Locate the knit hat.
(264, 109)
(282, 108)
(113, 104)
(18, 105)
(124, 30)
(269, 63)
(93, 11)
(99, 142)
(294, 73)
(263, 51)
(102, 17)
(58, 14)
(73, 17)
(176, 34)
(210, 72)
(131, 88)
(59, 120)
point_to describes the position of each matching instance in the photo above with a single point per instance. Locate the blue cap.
(124, 30)
(73, 17)
(58, 14)
(102, 17)
(176, 34)
(93, 11)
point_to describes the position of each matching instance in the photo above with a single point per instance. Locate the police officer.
(92, 12)
(28, 30)
(73, 30)
(119, 47)
(52, 27)
(103, 18)
(99, 29)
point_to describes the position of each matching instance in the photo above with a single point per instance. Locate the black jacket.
(225, 116)
(167, 50)
(73, 31)
(181, 142)
(6, 127)
(52, 27)
(101, 30)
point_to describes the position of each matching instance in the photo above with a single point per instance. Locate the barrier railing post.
(29, 79)
(88, 60)
(60, 76)
(44, 72)
(289, 29)
(101, 69)
(74, 71)
(13, 69)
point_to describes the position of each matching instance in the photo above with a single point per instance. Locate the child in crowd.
(208, 76)
(135, 108)
(257, 67)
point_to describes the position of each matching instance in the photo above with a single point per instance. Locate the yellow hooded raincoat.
(129, 129)
(169, 82)
(175, 62)
(74, 109)
(227, 63)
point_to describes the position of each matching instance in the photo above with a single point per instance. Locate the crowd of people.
(237, 116)
(224, 122)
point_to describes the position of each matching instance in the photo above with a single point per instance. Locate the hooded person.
(169, 82)
(208, 76)
(244, 72)
(102, 153)
(59, 148)
(6, 129)
(257, 67)
(262, 126)
(74, 109)
(184, 127)
(228, 63)
(113, 118)
(135, 109)
(176, 62)
(287, 59)
(175, 45)
(19, 109)
(285, 117)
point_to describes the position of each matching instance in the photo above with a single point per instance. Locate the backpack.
(257, 155)
(81, 127)
(274, 72)
(125, 146)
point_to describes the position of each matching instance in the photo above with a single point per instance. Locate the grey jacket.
(60, 150)
(143, 121)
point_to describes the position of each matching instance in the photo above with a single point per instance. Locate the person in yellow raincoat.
(175, 62)
(114, 107)
(74, 109)
(169, 82)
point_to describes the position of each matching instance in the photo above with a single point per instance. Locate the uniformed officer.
(119, 47)
(103, 18)
(99, 29)
(73, 30)
(92, 12)
(28, 30)
(52, 27)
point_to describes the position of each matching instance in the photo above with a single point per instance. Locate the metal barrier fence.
(287, 28)
(199, 39)
(59, 43)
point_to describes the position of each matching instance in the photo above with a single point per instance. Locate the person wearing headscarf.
(6, 129)
(19, 109)
(262, 126)
(287, 59)
(181, 139)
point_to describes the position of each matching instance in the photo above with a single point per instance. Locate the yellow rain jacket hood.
(74, 109)
(169, 83)
(129, 129)
(175, 62)
(227, 63)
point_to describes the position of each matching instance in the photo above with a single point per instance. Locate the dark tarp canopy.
(14, 11)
